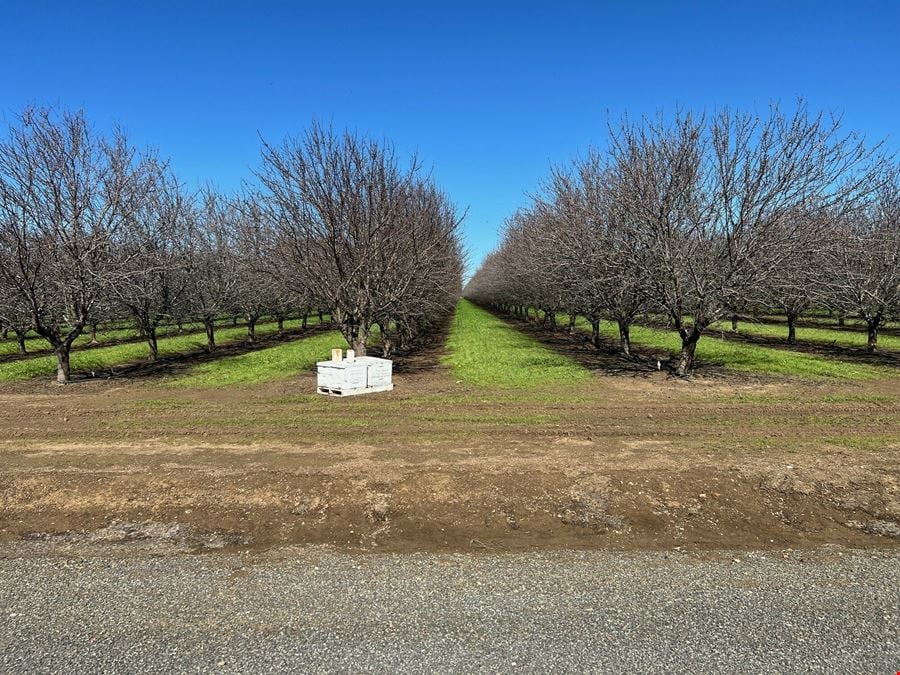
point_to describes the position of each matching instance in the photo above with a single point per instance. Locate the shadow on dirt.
(425, 354)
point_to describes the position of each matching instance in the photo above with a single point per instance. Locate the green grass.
(747, 358)
(841, 338)
(281, 361)
(485, 351)
(831, 322)
(34, 343)
(101, 359)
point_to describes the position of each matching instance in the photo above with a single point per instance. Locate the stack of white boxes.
(351, 376)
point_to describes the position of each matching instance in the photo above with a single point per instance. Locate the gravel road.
(314, 610)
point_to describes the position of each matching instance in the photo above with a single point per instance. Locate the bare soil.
(631, 459)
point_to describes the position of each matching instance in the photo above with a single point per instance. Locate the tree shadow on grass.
(856, 355)
(167, 332)
(809, 323)
(181, 363)
(607, 359)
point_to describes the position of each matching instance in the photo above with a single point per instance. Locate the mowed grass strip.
(34, 342)
(830, 322)
(102, 359)
(748, 358)
(483, 350)
(37, 343)
(841, 338)
(273, 363)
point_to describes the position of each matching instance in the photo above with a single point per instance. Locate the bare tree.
(64, 194)
(213, 267)
(861, 275)
(348, 218)
(711, 203)
(795, 284)
(258, 290)
(15, 315)
(152, 256)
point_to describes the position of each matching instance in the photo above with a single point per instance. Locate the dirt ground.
(631, 459)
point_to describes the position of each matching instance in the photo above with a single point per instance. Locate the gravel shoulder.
(313, 609)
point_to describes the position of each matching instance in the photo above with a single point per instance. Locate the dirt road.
(621, 462)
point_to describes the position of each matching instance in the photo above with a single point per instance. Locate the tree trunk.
(358, 344)
(734, 323)
(688, 347)
(63, 369)
(572, 319)
(321, 317)
(251, 328)
(93, 335)
(151, 342)
(234, 320)
(20, 340)
(280, 318)
(210, 334)
(625, 337)
(792, 329)
(180, 325)
(872, 343)
(595, 332)
(305, 322)
(841, 318)
(4, 332)
(386, 343)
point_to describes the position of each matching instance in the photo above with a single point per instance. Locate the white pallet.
(362, 375)
(356, 391)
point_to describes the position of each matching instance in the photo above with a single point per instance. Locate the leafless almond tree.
(694, 218)
(358, 231)
(712, 203)
(861, 273)
(152, 256)
(65, 192)
(213, 267)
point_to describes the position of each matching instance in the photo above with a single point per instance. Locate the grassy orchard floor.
(483, 350)
(35, 343)
(103, 359)
(741, 357)
(841, 337)
(273, 363)
(105, 336)
(850, 323)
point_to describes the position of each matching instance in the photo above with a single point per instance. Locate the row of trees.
(695, 219)
(93, 230)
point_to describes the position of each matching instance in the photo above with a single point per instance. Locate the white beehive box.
(361, 375)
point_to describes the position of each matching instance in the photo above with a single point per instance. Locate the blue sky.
(490, 94)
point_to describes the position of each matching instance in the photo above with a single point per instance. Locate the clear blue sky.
(489, 93)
